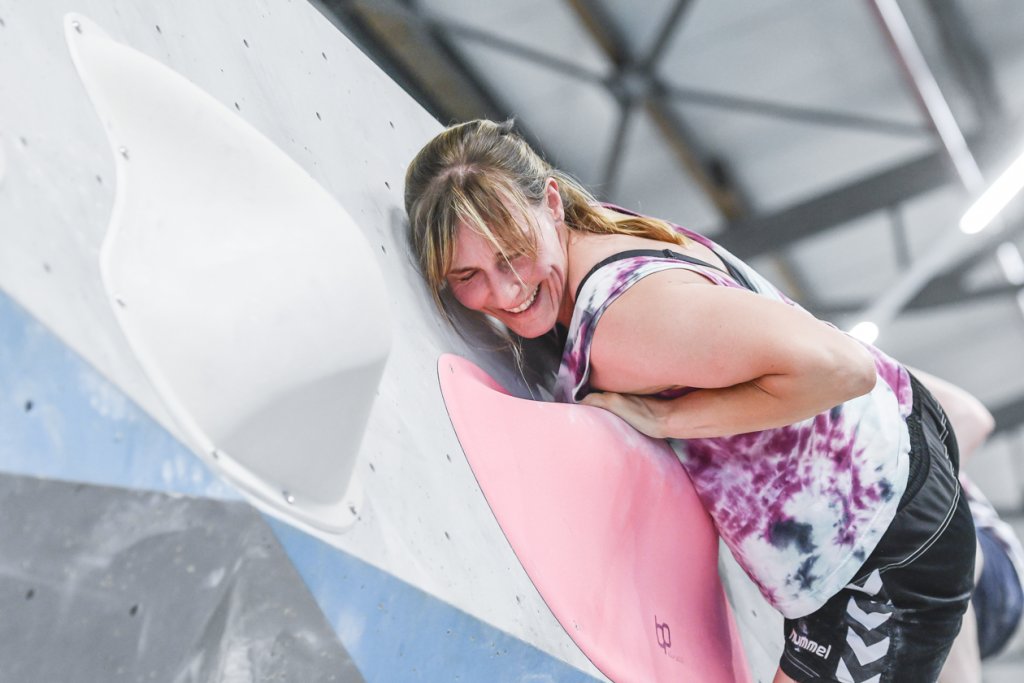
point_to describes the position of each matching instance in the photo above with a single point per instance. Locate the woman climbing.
(828, 469)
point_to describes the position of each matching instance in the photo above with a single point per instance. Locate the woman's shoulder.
(587, 250)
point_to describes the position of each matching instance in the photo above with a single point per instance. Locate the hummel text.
(804, 643)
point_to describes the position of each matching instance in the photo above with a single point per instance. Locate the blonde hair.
(482, 173)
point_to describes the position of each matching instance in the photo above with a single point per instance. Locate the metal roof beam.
(635, 84)
(789, 112)
(670, 25)
(415, 56)
(954, 245)
(599, 25)
(771, 232)
(932, 297)
(758, 235)
(970, 63)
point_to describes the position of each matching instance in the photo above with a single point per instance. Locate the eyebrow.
(498, 258)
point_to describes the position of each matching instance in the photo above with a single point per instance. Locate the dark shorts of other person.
(895, 622)
(998, 598)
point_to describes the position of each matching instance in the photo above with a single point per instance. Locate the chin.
(530, 333)
(531, 329)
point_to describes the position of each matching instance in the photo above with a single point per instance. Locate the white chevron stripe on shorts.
(871, 585)
(843, 675)
(860, 662)
(868, 621)
(866, 653)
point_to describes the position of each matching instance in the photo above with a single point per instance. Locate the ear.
(553, 200)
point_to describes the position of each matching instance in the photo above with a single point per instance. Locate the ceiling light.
(992, 200)
(865, 331)
(1011, 263)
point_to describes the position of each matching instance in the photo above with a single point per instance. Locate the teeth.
(526, 304)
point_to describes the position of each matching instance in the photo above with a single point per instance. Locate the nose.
(506, 290)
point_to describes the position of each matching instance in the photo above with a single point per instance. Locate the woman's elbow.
(855, 373)
(844, 369)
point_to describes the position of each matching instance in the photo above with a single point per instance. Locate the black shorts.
(897, 619)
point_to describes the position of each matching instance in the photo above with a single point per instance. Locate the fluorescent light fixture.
(865, 331)
(994, 199)
(1009, 258)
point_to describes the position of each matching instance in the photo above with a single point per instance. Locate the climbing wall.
(403, 556)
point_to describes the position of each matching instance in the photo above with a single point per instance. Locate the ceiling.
(803, 135)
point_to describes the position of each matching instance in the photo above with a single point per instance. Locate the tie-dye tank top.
(802, 506)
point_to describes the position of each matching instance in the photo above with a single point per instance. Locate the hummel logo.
(804, 643)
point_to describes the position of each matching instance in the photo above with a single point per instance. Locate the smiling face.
(526, 292)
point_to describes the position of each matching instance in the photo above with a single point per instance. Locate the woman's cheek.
(469, 295)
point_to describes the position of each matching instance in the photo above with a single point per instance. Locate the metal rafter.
(899, 237)
(971, 65)
(948, 288)
(669, 26)
(877, 192)
(634, 85)
(933, 297)
(800, 114)
(927, 93)
(954, 245)
(414, 58)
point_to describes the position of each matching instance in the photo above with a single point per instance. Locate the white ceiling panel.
(653, 182)
(779, 162)
(824, 55)
(977, 346)
(853, 262)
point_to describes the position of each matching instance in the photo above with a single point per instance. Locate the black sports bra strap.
(665, 253)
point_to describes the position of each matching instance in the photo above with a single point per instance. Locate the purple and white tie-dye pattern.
(802, 506)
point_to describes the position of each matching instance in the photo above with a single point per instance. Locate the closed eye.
(505, 264)
(463, 276)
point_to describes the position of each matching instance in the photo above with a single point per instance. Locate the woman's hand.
(640, 412)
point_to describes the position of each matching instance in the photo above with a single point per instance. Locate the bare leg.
(782, 678)
(963, 665)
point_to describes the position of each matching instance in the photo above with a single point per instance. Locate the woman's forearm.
(771, 401)
(748, 407)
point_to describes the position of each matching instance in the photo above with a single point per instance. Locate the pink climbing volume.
(606, 524)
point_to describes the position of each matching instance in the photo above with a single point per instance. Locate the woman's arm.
(756, 363)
